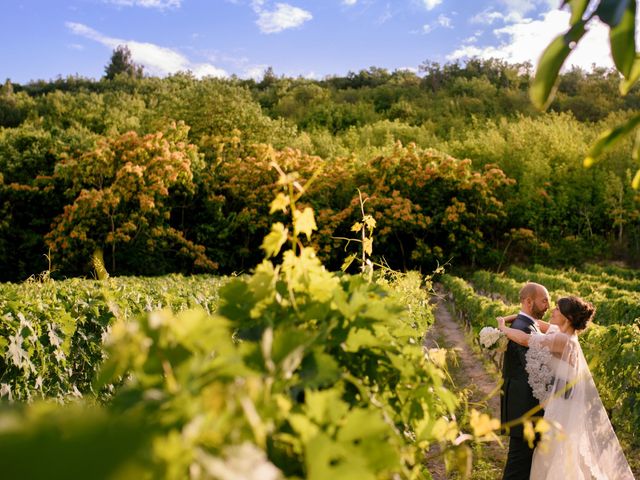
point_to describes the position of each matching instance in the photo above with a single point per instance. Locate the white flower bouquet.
(492, 339)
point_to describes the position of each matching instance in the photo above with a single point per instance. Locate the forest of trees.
(174, 174)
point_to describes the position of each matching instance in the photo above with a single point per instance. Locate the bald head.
(534, 299)
(530, 290)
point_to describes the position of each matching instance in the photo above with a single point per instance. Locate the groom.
(517, 397)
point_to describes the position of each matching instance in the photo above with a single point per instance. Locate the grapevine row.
(618, 309)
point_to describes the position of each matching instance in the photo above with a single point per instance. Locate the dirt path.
(470, 374)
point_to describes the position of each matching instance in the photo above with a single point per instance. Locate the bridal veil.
(582, 444)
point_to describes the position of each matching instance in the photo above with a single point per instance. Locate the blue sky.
(43, 39)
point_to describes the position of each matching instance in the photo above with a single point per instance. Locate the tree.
(620, 16)
(123, 191)
(122, 63)
(13, 107)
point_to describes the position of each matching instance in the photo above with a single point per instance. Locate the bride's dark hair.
(577, 311)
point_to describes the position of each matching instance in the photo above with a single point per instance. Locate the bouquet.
(493, 339)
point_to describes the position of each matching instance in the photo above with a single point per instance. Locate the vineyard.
(611, 344)
(212, 305)
(290, 372)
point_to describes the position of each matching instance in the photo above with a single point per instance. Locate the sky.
(45, 39)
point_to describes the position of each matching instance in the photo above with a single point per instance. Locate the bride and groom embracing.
(544, 367)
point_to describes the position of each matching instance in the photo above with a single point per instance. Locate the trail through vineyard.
(469, 373)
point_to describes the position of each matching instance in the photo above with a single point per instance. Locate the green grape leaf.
(348, 261)
(552, 59)
(366, 432)
(627, 83)
(320, 369)
(360, 424)
(326, 458)
(71, 441)
(303, 426)
(578, 7)
(359, 338)
(635, 183)
(635, 152)
(610, 138)
(623, 42)
(325, 406)
(612, 11)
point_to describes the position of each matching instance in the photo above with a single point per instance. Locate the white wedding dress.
(584, 446)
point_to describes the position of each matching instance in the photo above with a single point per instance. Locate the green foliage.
(14, 107)
(51, 332)
(71, 441)
(556, 212)
(564, 206)
(214, 109)
(299, 372)
(122, 64)
(612, 271)
(474, 310)
(620, 17)
(617, 301)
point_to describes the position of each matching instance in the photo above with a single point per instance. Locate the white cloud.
(519, 6)
(159, 4)
(386, 15)
(526, 40)
(256, 72)
(156, 60)
(349, 2)
(407, 69)
(471, 39)
(488, 17)
(206, 70)
(444, 21)
(431, 4)
(283, 17)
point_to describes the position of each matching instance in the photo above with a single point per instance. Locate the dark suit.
(516, 400)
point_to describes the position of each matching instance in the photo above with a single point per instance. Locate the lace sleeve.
(539, 366)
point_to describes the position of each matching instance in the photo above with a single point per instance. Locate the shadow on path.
(469, 374)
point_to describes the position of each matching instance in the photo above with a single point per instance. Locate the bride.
(586, 446)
